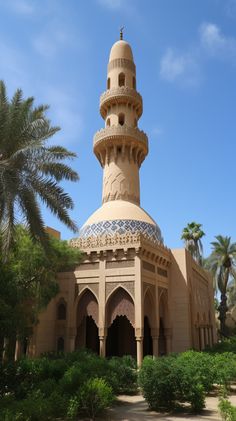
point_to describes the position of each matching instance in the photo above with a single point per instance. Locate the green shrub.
(168, 380)
(72, 380)
(225, 368)
(157, 382)
(226, 345)
(95, 395)
(73, 407)
(227, 410)
(122, 375)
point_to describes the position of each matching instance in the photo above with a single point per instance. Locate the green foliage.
(226, 345)
(186, 377)
(122, 375)
(192, 235)
(28, 281)
(29, 170)
(222, 264)
(227, 410)
(94, 396)
(157, 382)
(57, 383)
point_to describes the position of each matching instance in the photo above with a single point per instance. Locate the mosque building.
(130, 294)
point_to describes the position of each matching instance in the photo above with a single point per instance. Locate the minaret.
(121, 147)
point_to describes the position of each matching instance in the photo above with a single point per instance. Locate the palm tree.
(222, 263)
(192, 235)
(30, 170)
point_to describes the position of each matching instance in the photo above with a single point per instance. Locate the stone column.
(102, 330)
(139, 343)
(102, 341)
(17, 349)
(71, 338)
(206, 329)
(155, 337)
(202, 338)
(139, 318)
(5, 349)
(209, 336)
(168, 337)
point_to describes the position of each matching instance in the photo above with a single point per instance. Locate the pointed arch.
(61, 309)
(119, 303)
(149, 307)
(87, 306)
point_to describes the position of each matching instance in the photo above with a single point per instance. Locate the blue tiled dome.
(120, 217)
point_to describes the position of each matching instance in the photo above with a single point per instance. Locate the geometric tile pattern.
(122, 226)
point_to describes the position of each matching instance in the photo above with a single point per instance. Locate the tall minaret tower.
(121, 147)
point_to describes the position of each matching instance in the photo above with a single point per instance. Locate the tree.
(192, 235)
(29, 170)
(222, 262)
(28, 281)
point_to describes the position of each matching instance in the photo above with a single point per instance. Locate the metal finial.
(121, 32)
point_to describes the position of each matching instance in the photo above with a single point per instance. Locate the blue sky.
(185, 53)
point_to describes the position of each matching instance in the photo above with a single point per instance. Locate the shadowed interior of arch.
(87, 316)
(120, 338)
(147, 340)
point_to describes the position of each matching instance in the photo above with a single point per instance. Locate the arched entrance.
(87, 320)
(120, 322)
(120, 338)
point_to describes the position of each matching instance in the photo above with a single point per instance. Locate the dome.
(121, 49)
(120, 217)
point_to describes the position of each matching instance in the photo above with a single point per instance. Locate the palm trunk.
(223, 305)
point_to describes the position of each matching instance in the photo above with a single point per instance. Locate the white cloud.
(180, 67)
(217, 44)
(185, 67)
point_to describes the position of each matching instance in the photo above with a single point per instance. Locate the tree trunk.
(222, 313)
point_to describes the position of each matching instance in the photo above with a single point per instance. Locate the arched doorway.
(120, 338)
(87, 321)
(120, 322)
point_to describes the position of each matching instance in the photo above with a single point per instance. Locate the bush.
(122, 375)
(94, 396)
(227, 410)
(226, 345)
(157, 382)
(168, 380)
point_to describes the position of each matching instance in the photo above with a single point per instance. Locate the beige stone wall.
(166, 287)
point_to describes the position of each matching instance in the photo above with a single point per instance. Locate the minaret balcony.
(121, 95)
(130, 140)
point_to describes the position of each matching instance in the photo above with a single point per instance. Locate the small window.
(108, 122)
(121, 119)
(134, 83)
(121, 79)
(60, 344)
(108, 83)
(61, 311)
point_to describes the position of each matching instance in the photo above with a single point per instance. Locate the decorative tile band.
(122, 226)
